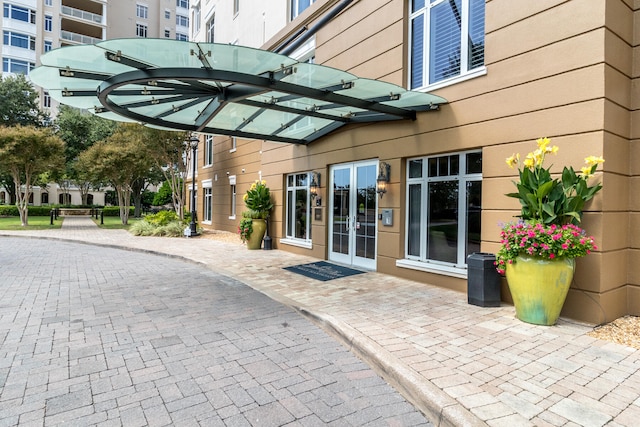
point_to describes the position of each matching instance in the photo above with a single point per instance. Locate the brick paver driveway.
(101, 336)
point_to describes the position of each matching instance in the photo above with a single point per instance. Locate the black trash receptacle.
(483, 281)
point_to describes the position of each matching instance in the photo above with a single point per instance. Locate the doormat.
(323, 270)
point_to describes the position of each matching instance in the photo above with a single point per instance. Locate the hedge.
(10, 210)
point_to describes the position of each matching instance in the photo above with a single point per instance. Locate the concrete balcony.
(68, 36)
(82, 15)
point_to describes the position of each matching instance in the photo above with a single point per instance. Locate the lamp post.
(193, 142)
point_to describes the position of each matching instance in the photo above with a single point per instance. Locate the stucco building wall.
(562, 69)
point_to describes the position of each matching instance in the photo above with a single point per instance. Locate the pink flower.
(552, 256)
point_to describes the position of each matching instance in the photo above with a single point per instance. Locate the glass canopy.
(219, 89)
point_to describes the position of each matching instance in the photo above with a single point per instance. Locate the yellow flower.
(543, 142)
(513, 160)
(244, 198)
(253, 186)
(553, 150)
(529, 162)
(263, 182)
(586, 171)
(593, 160)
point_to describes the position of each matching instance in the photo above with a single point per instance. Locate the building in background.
(31, 28)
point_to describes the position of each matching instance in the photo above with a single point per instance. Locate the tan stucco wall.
(566, 70)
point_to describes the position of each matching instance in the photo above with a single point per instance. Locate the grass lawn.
(34, 223)
(114, 222)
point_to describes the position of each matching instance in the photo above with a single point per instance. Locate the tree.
(19, 103)
(121, 160)
(79, 130)
(27, 152)
(170, 153)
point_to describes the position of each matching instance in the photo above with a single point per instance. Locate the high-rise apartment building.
(31, 28)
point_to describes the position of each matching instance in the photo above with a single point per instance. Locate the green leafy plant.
(552, 200)
(258, 199)
(245, 228)
(551, 209)
(258, 202)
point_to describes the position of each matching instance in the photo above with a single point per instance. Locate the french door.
(353, 214)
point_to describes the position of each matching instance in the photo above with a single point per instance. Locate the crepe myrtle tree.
(79, 130)
(168, 151)
(119, 160)
(27, 152)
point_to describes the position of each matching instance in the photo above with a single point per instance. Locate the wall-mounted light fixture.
(315, 184)
(383, 178)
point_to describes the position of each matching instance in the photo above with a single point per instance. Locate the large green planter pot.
(259, 228)
(539, 287)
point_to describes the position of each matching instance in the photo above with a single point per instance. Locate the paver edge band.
(439, 407)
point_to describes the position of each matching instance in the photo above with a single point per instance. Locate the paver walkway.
(460, 364)
(103, 337)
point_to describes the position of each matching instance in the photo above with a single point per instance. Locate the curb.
(436, 405)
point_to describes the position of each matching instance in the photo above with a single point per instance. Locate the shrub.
(115, 211)
(164, 195)
(141, 228)
(161, 218)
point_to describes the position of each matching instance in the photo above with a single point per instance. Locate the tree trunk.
(22, 202)
(124, 199)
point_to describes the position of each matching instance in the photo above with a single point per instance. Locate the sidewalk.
(460, 364)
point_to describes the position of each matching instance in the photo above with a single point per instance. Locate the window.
(443, 208)
(207, 207)
(141, 30)
(48, 2)
(19, 13)
(167, 14)
(19, 40)
(446, 40)
(167, 34)
(48, 45)
(211, 25)
(182, 37)
(48, 23)
(298, 6)
(208, 150)
(196, 19)
(236, 6)
(298, 207)
(142, 11)
(182, 21)
(182, 3)
(233, 197)
(46, 100)
(16, 66)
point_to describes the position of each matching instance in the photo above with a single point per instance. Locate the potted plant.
(537, 253)
(253, 225)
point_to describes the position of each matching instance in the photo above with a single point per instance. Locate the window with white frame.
(24, 41)
(298, 6)
(182, 20)
(196, 19)
(182, 37)
(232, 197)
(444, 199)
(141, 30)
(48, 2)
(142, 11)
(208, 150)
(48, 23)
(182, 3)
(46, 100)
(167, 14)
(446, 40)
(167, 34)
(298, 217)
(48, 45)
(16, 66)
(19, 13)
(207, 207)
(211, 26)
